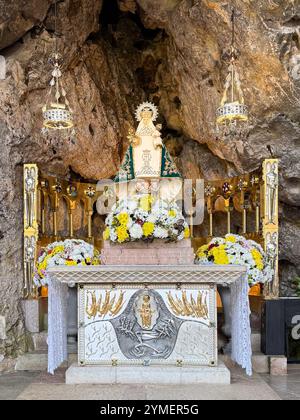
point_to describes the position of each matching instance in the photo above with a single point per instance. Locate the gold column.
(72, 207)
(54, 210)
(31, 229)
(209, 194)
(257, 218)
(244, 220)
(211, 231)
(228, 210)
(270, 222)
(89, 194)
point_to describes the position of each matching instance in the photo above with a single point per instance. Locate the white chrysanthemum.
(220, 241)
(160, 233)
(109, 220)
(142, 215)
(113, 236)
(132, 205)
(181, 236)
(136, 231)
(153, 217)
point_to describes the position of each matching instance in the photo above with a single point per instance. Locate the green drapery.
(126, 172)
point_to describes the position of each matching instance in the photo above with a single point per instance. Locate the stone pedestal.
(162, 375)
(142, 253)
(34, 311)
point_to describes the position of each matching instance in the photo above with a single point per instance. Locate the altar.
(147, 291)
(148, 324)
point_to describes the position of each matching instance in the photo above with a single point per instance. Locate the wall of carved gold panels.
(56, 209)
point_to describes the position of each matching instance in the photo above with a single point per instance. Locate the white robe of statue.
(147, 152)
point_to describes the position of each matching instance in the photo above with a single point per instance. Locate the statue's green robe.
(127, 173)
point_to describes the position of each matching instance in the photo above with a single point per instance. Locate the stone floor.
(41, 386)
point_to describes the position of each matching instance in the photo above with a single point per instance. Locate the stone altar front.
(160, 321)
(147, 325)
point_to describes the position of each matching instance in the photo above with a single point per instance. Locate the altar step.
(38, 361)
(150, 375)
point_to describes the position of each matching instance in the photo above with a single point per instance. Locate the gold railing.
(56, 209)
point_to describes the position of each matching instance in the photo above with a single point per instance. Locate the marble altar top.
(217, 274)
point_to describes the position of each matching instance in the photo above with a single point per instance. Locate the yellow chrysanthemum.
(220, 256)
(187, 233)
(123, 218)
(148, 229)
(106, 234)
(172, 213)
(257, 258)
(95, 261)
(146, 202)
(221, 247)
(122, 233)
(202, 251)
(70, 263)
(231, 238)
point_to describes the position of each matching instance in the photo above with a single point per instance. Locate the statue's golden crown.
(146, 106)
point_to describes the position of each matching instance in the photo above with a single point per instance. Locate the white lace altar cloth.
(233, 276)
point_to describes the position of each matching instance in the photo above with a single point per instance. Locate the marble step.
(164, 375)
(38, 361)
(260, 363)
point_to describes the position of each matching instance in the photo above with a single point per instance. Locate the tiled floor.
(29, 385)
(287, 387)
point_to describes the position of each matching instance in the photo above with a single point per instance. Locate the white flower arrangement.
(70, 252)
(145, 218)
(237, 250)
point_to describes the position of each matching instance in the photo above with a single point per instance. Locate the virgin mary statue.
(147, 163)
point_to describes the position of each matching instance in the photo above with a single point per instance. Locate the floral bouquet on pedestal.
(145, 218)
(236, 250)
(70, 252)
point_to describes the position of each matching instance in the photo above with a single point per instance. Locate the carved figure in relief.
(272, 187)
(146, 312)
(30, 183)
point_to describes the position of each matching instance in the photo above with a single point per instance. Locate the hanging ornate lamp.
(57, 114)
(232, 115)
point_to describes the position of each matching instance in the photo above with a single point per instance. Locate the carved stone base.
(168, 375)
(155, 253)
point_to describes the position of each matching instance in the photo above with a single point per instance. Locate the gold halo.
(146, 105)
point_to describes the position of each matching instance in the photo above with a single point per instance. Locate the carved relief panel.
(129, 325)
